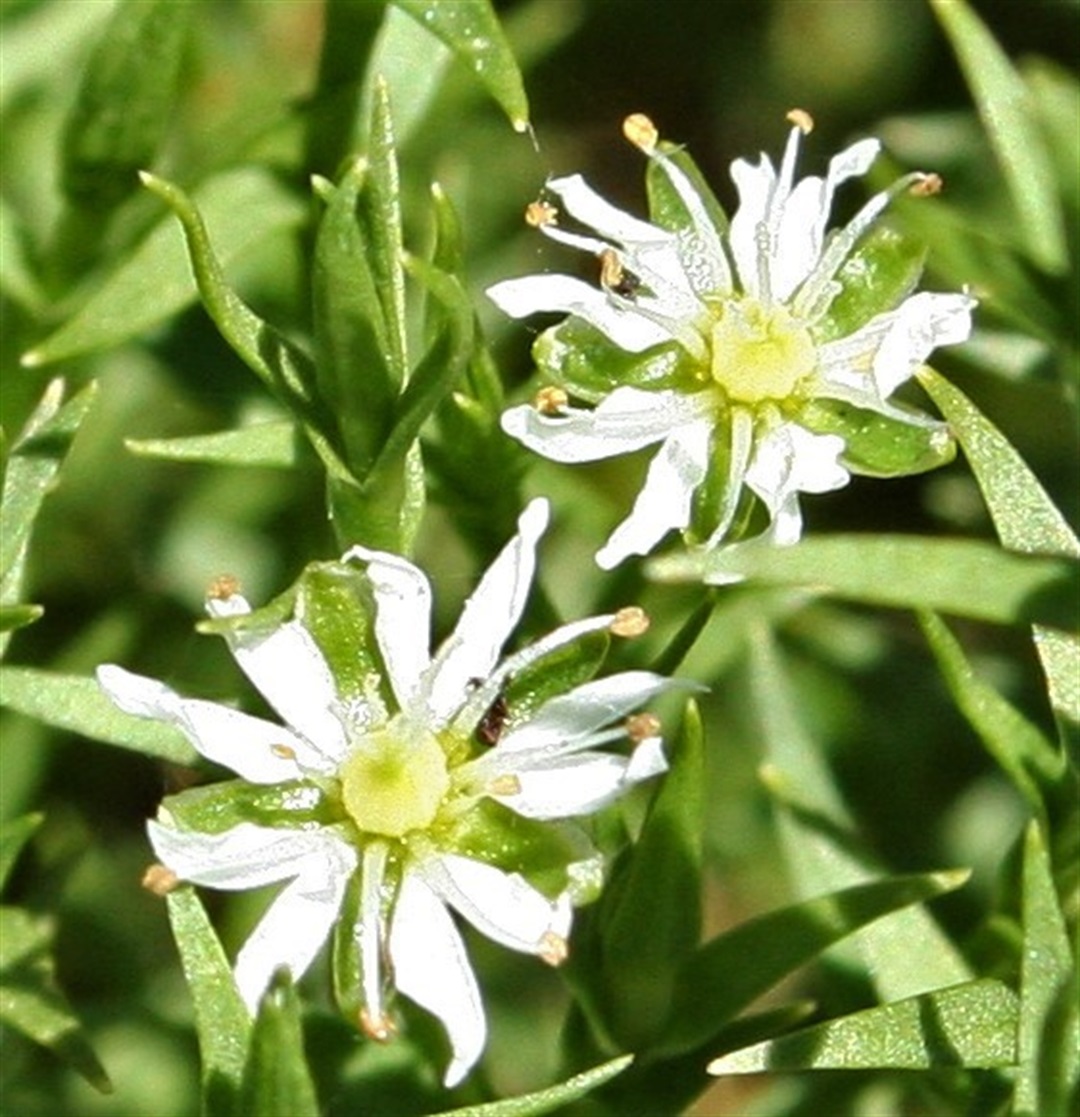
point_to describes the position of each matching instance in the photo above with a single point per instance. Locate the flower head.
(761, 355)
(414, 783)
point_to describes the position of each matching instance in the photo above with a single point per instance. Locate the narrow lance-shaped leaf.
(245, 207)
(968, 1025)
(221, 1020)
(31, 1001)
(1004, 104)
(650, 918)
(1026, 520)
(1047, 967)
(733, 969)
(272, 445)
(962, 576)
(77, 704)
(907, 952)
(277, 1082)
(356, 376)
(545, 1101)
(470, 28)
(1029, 760)
(14, 834)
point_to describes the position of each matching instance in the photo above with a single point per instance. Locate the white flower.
(738, 329)
(394, 786)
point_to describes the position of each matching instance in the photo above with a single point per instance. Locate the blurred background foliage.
(126, 545)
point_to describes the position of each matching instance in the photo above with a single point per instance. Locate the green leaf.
(221, 1020)
(1047, 967)
(77, 704)
(124, 107)
(1030, 761)
(659, 888)
(33, 463)
(961, 576)
(14, 834)
(1026, 520)
(879, 445)
(244, 207)
(19, 616)
(733, 969)
(30, 1000)
(968, 1025)
(545, 1101)
(277, 1082)
(905, 954)
(270, 445)
(470, 28)
(1012, 125)
(356, 378)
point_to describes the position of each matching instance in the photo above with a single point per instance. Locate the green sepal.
(19, 616)
(277, 1081)
(540, 851)
(346, 962)
(580, 359)
(878, 275)
(650, 914)
(336, 605)
(218, 807)
(666, 208)
(556, 673)
(968, 1025)
(879, 445)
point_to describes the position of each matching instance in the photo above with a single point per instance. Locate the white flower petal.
(561, 723)
(565, 787)
(788, 460)
(258, 750)
(612, 223)
(289, 670)
(402, 618)
(628, 419)
(755, 185)
(296, 924)
(487, 619)
(664, 501)
(618, 321)
(504, 906)
(432, 968)
(920, 325)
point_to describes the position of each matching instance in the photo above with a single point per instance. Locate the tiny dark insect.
(615, 278)
(489, 728)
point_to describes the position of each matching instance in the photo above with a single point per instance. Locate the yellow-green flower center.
(760, 354)
(395, 780)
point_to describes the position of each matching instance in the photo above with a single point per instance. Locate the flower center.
(394, 780)
(760, 354)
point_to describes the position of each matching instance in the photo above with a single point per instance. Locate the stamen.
(539, 214)
(379, 1028)
(283, 752)
(159, 879)
(550, 400)
(223, 587)
(927, 186)
(507, 784)
(553, 949)
(802, 120)
(641, 132)
(640, 727)
(630, 621)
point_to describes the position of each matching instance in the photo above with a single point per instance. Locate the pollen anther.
(379, 1028)
(802, 120)
(283, 752)
(223, 587)
(630, 621)
(506, 784)
(927, 186)
(553, 949)
(550, 400)
(539, 213)
(640, 727)
(641, 132)
(159, 879)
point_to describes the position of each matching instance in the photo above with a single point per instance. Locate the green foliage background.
(126, 543)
